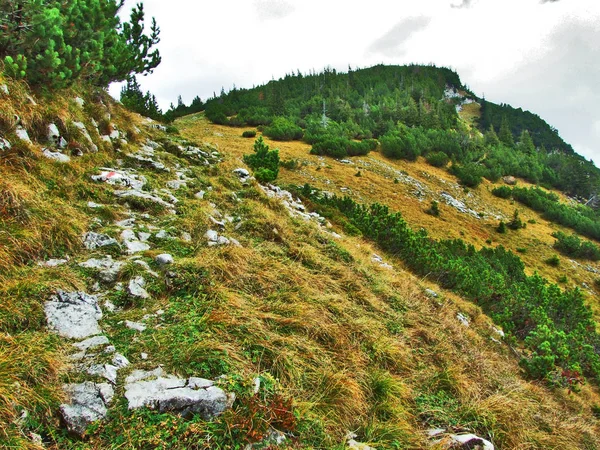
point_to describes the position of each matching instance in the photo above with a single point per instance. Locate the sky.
(540, 55)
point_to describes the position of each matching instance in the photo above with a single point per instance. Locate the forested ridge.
(410, 111)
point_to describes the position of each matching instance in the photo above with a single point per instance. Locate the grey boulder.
(86, 404)
(169, 393)
(73, 315)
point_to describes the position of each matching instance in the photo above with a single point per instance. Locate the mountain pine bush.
(52, 43)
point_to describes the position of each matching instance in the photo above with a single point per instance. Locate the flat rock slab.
(169, 393)
(86, 404)
(73, 315)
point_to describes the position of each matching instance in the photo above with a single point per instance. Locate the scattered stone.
(211, 236)
(53, 135)
(176, 184)
(120, 361)
(85, 405)
(462, 319)
(216, 222)
(162, 234)
(121, 177)
(36, 439)
(4, 144)
(107, 371)
(350, 438)
(56, 156)
(431, 293)
(510, 180)
(79, 101)
(169, 393)
(133, 243)
(466, 441)
(499, 332)
(93, 205)
(200, 195)
(146, 196)
(22, 134)
(164, 259)
(242, 174)
(126, 223)
(93, 342)
(145, 265)
(4, 89)
(186, 237)
(136, 288)
(92, 240)
(144, 356)
(108, 269)
(457, 204)
(53, 262)
(137, 326)
(106, 392)
(73, 315)
(81, 127)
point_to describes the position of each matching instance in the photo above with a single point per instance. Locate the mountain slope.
(342, 337)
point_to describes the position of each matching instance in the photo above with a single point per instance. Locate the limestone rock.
(121, 178)
(4, 144)
(92, 240)
(56, 156)
(136, 288)
(133, 243)
(164, 259)
(22, 134)
(86, 404)
(4, 89)
(470, 441)
(510, 180)
(169, 393)
(92, 342)
(53, 135)
(137, 326)
(108, 269)
(73, 315)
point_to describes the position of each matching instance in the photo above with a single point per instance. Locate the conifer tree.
(526, 143)
(505, 135)
(54, 42)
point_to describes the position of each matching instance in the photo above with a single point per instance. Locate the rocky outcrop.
(156, 390)
(86, 403)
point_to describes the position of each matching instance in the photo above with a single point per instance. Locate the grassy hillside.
(342, 340)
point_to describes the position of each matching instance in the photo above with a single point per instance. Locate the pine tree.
(53, 42)
(491, 138)
(526, 143)
(505, 135)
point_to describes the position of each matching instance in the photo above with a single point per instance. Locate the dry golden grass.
(322, 323)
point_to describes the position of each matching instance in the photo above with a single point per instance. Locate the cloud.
(393, 43)
(560, 83)
(464, 4)
(273, 9)
(548, 1)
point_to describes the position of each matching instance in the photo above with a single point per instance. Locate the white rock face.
(73, 315)
(121, 178)
(457, 204)
(169, 393)
(86, 404)
(80, 102)
(53, 262)
(4, 89)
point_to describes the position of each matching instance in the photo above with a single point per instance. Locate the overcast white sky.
(543, 56)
